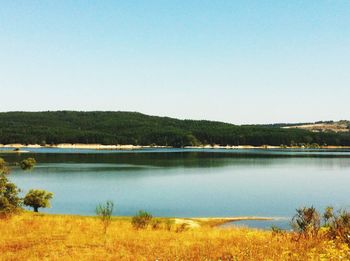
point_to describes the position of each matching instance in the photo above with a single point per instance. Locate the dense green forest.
(139, 129)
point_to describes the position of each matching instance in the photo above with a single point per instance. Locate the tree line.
(49, 128)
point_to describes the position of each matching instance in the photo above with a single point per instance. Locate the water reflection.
(188, 184)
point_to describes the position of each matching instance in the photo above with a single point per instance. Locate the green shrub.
(27, 164)
(328, 216)
(342, 229)
(141, 220)
(168, 224)
(156, 223)
(276, 230)
(306, 221)
(338, 224)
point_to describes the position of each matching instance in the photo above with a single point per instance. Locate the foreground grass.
(30, 236)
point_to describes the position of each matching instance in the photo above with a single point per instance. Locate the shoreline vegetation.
(18, 147)
(38, 236)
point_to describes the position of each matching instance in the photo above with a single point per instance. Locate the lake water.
(190, 182)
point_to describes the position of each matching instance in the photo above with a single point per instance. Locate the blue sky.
(234, 61)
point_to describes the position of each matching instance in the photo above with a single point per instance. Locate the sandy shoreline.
(217, 221)
(136, 147)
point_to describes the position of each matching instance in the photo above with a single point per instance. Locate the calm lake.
(190, 182)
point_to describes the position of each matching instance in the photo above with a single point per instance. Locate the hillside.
(324, 126)
(139, 129)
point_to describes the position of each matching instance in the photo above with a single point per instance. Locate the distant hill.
(323, 126)
(139, 129)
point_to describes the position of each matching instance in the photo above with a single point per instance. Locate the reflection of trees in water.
(194, 159)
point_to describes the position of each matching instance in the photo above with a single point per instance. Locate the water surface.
(190, 183)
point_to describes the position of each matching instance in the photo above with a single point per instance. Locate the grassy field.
(31, 236)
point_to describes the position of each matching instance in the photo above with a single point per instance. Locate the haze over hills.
(54, 127)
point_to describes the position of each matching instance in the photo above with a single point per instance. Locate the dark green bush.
(141, 220)
(27, 164)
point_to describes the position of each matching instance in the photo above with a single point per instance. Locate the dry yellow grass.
(48, 237)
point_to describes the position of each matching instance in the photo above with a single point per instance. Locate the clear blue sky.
(234, 61)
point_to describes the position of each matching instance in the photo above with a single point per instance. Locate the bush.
(328, 216)
(141, 219)
(27, 164)
(306, 221)
(342, 229)
(168, 224)
(338, 224)
(277, 230)
(155, 223)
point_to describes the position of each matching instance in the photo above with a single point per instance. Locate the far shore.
(137, 147)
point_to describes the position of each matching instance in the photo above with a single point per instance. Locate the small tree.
(37, 198)
(28, 163)
(105, 211)
(141, 219)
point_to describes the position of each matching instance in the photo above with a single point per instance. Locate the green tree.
(28, 163)
(37, 198)
(9, 198)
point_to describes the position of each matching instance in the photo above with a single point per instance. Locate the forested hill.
(139, 129)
